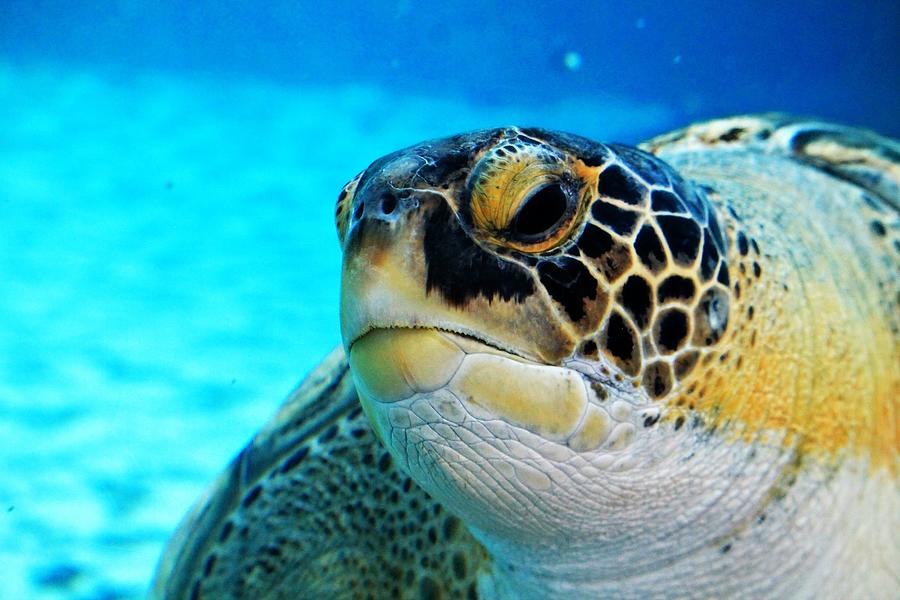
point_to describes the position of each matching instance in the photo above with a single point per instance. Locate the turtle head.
(518, 301)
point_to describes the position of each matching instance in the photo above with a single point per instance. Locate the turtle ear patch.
(711, 316)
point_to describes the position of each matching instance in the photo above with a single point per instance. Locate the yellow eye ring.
(524, 199)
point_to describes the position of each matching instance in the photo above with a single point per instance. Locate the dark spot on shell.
(620, 340)
(671, 330)
(683, 236)
(328, 435)
(743, 244)
(616, 183)
(658, 379)
(595, 242)
(613, 257)
(209, 565)
(226, 531)
(649, 249)
(620, 220)
(710, 257)
(732, 134)
(676, 287)
(458, 563)
(685, 363)
(723, 276)
(451, 528)
(295, 459)
(665, 201)
(636, 297)
(570, 283)
(384, 463)
(472, 592)
(251, 496)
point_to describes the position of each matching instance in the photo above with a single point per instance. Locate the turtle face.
(521, 288)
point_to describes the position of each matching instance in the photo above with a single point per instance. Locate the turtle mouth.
(395, 367)
(464, 337)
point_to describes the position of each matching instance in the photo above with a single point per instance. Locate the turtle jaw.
(492, 436)
(461, 383)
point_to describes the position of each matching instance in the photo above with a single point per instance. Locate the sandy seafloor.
(168, 271)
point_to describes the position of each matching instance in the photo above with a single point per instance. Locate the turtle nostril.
(358, 212)
(388, 203)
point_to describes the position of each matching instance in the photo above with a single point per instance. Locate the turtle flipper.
(860, 156)
(314, 507)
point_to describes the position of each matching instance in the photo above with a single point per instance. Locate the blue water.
(168, 264)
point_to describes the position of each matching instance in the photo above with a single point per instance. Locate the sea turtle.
(584, 370)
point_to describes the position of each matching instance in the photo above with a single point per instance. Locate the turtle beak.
(384, 286)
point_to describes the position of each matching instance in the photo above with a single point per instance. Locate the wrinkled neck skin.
(682, 511)
(747, 524)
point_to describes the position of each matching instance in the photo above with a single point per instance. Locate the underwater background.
(168, 170)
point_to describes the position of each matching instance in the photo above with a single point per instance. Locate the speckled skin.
(628, 377)
(314, 507)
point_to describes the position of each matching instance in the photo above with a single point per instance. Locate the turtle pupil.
(541, 212)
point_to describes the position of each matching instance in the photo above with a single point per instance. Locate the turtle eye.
(540, 214)
(525, 196)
